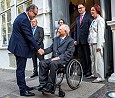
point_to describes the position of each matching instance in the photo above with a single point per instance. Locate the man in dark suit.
(82, 25)
(62, 51)
(39, 36)
(21, 45)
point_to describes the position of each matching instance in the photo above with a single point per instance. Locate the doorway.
(73, 12)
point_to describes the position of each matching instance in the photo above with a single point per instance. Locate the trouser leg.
(20, 72)
(43, 71)
(35, 69)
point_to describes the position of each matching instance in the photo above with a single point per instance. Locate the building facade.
(50, 11)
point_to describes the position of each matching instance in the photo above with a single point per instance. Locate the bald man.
(38, 34)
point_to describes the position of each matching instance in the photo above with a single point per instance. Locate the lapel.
(36, 30)
(64, 40)
(78, 20)
(82, 19)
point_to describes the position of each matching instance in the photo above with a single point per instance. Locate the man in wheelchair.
(62, 50)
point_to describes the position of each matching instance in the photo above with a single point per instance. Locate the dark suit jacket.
(22, 41)
(64, 50)
(39, 36)
(82, 31)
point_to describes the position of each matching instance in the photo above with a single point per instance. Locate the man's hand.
(75, 42)
(41, 51)
(56, 58)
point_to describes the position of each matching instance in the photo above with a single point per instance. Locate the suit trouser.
(34, 59)
(85, 59)
(97, 61)
(46, 76)
(20, 72)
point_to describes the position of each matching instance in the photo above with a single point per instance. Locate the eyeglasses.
(34, 13)
(80, 7)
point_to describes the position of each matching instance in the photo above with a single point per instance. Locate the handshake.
(41, 51)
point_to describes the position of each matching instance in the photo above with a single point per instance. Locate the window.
(22, 4)
(5, 16)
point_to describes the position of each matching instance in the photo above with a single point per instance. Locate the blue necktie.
(60, 40)
(33, 28)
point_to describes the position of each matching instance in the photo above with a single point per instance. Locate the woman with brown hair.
(96, 41)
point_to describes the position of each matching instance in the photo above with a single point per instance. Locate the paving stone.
(9, 88)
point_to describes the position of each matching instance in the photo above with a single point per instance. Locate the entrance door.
(60, 10)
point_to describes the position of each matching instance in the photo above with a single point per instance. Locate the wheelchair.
(72, 72)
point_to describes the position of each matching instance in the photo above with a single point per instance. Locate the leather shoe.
(26, 93)
(49, 88)
(40, 87)
(88, 74)
(29, 88)
(34, 75)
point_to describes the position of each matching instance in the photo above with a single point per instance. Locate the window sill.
(3, 48)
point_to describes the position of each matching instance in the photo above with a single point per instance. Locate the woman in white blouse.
(96, 41)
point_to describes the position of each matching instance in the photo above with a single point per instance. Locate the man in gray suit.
(39, 36)
(62, 50)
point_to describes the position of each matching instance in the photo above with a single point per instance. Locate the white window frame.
(1, 37)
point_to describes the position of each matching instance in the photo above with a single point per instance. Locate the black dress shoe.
(26, 93)
(40, 87)
(88, 74)
(49, 89)
(34, 75)
(29, 88)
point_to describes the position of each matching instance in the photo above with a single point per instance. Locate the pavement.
(87, 89)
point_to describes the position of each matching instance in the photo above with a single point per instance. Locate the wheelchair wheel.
(74, 74)
(59, 76)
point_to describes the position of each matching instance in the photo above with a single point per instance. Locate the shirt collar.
(27, 16)
(63, 37)
(83, 14)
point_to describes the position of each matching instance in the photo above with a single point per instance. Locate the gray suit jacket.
(63, 50)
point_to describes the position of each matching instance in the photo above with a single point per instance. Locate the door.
(60, 10)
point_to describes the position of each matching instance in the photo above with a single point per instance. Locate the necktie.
(33, 28)
(80, 19)
(60, 40)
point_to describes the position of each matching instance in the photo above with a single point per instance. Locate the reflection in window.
(3, 30)
(20, 9)
(2, 3)
(9, 15)
(19, 1)
(28, 3)
(7, 4)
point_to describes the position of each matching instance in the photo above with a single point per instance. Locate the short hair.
(31, 7)
(81, 4)
(66, 28)
(61, 20)
(97, 8)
